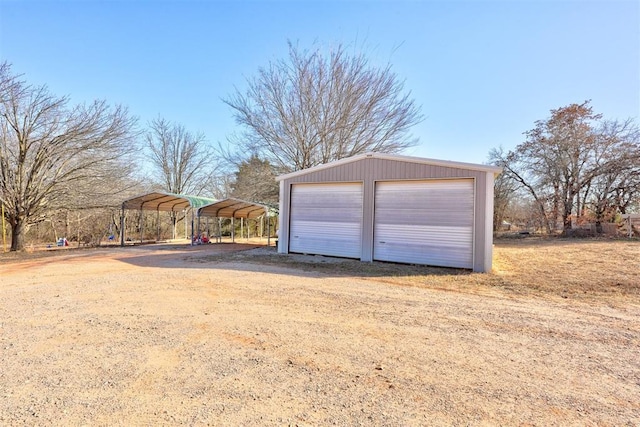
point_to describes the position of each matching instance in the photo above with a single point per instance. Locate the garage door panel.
(442, 246)
(425, 222)
(329, 214)
(445, 236)
(326, 219)
(421, 254)
(341, 230)
(425, 199)
(312, 237)
(425, 217)
(347, 198)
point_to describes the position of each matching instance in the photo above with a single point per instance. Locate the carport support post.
(266, 213)
(192, 227)
(174, 223)
(122, 226)
(158, 225)
(233, 230)
(141, 225)
(198, 233)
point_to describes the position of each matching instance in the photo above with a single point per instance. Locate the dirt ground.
(232, 334)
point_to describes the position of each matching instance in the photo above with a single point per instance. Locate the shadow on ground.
(255, 258)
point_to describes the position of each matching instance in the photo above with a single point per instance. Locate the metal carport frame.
(166, 202)
(236, 208)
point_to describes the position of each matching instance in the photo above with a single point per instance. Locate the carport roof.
(166, 202)
(234, 208)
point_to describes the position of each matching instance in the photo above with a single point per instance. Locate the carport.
(162, 202)
(236, 208)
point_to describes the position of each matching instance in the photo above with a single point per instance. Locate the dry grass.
(583, 269)
(571, 268)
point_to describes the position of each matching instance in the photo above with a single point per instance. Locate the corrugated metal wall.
(369, 170)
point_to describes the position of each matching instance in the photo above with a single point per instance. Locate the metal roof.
(165, 202)
(446, 163)
(234, 208)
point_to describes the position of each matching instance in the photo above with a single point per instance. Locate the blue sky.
(482, 71)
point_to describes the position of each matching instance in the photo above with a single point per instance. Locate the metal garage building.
(391, 208)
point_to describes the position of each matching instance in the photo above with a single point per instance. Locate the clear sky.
(483, 71)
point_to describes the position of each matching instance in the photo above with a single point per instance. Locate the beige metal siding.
(370, 170)
(326, 219)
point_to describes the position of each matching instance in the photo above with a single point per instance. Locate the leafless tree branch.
(312, 108)
(54, 156)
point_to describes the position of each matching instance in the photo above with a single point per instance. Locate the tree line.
(74, 164)
(574, 166)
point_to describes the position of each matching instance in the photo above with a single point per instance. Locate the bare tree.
(313, 108)
(516, 169)
(560, 149)
(616, 185)
(220, 185)
(182, 162)
(7, 81)
(505, 189)
(256, 181)
(575, 161)
(53, 155)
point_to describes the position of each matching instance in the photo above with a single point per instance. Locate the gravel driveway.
(152, 336)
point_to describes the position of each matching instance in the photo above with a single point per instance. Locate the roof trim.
(373, 155)
(234, 208)
(165, 202)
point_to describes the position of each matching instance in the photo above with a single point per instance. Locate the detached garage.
(391, 208)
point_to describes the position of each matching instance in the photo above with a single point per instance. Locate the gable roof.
(435, 162)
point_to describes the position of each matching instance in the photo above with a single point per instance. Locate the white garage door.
(326, 219)
(425, 222)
